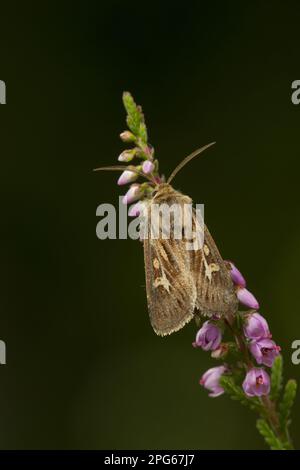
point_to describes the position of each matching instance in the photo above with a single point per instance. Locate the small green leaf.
(135, 117)
(287, 403)
(276, 378)
(269, 436)
(143, 133)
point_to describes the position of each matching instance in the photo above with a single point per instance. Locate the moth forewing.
(215, 290)
(193, 227)
(183, 273)
(170, 283)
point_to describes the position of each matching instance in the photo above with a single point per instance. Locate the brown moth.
(180, 282)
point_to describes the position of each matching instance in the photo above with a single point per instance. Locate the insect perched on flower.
(184, 279)
(179, 281)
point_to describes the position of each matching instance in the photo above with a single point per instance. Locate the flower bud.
(208, 337)
(149, 150)
(236, 276)
(256, 383)
(133, 194)
(127, 177)
(221, 351)
(127, 155)
(127, 136)
(256, 327)
(148, 167)
(210, 380)
(136, 209)
(264, 351)
(246, 298)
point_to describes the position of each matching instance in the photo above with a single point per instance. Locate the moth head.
(162, 189)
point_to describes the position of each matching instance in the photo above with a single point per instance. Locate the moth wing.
(170, 284)
(215, 290)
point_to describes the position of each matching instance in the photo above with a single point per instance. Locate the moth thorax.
(166, 193)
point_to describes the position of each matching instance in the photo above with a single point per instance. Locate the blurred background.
(84, 368)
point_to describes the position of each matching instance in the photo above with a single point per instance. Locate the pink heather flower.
(246, 298)
(264, 351)
(237, 276)
(256, 327)
(208, 337)
(133, 194)
(136, 209)
(210, 380)
(148, 167)
(127, 177)
(256, 383)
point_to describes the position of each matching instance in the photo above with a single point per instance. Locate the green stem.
(272, 416)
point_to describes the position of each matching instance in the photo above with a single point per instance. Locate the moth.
(182, 283)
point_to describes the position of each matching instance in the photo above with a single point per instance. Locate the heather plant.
(251, 370)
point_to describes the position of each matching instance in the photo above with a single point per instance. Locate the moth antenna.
(186, 160)
(124, 168)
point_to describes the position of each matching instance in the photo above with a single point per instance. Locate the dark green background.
(84, 368)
